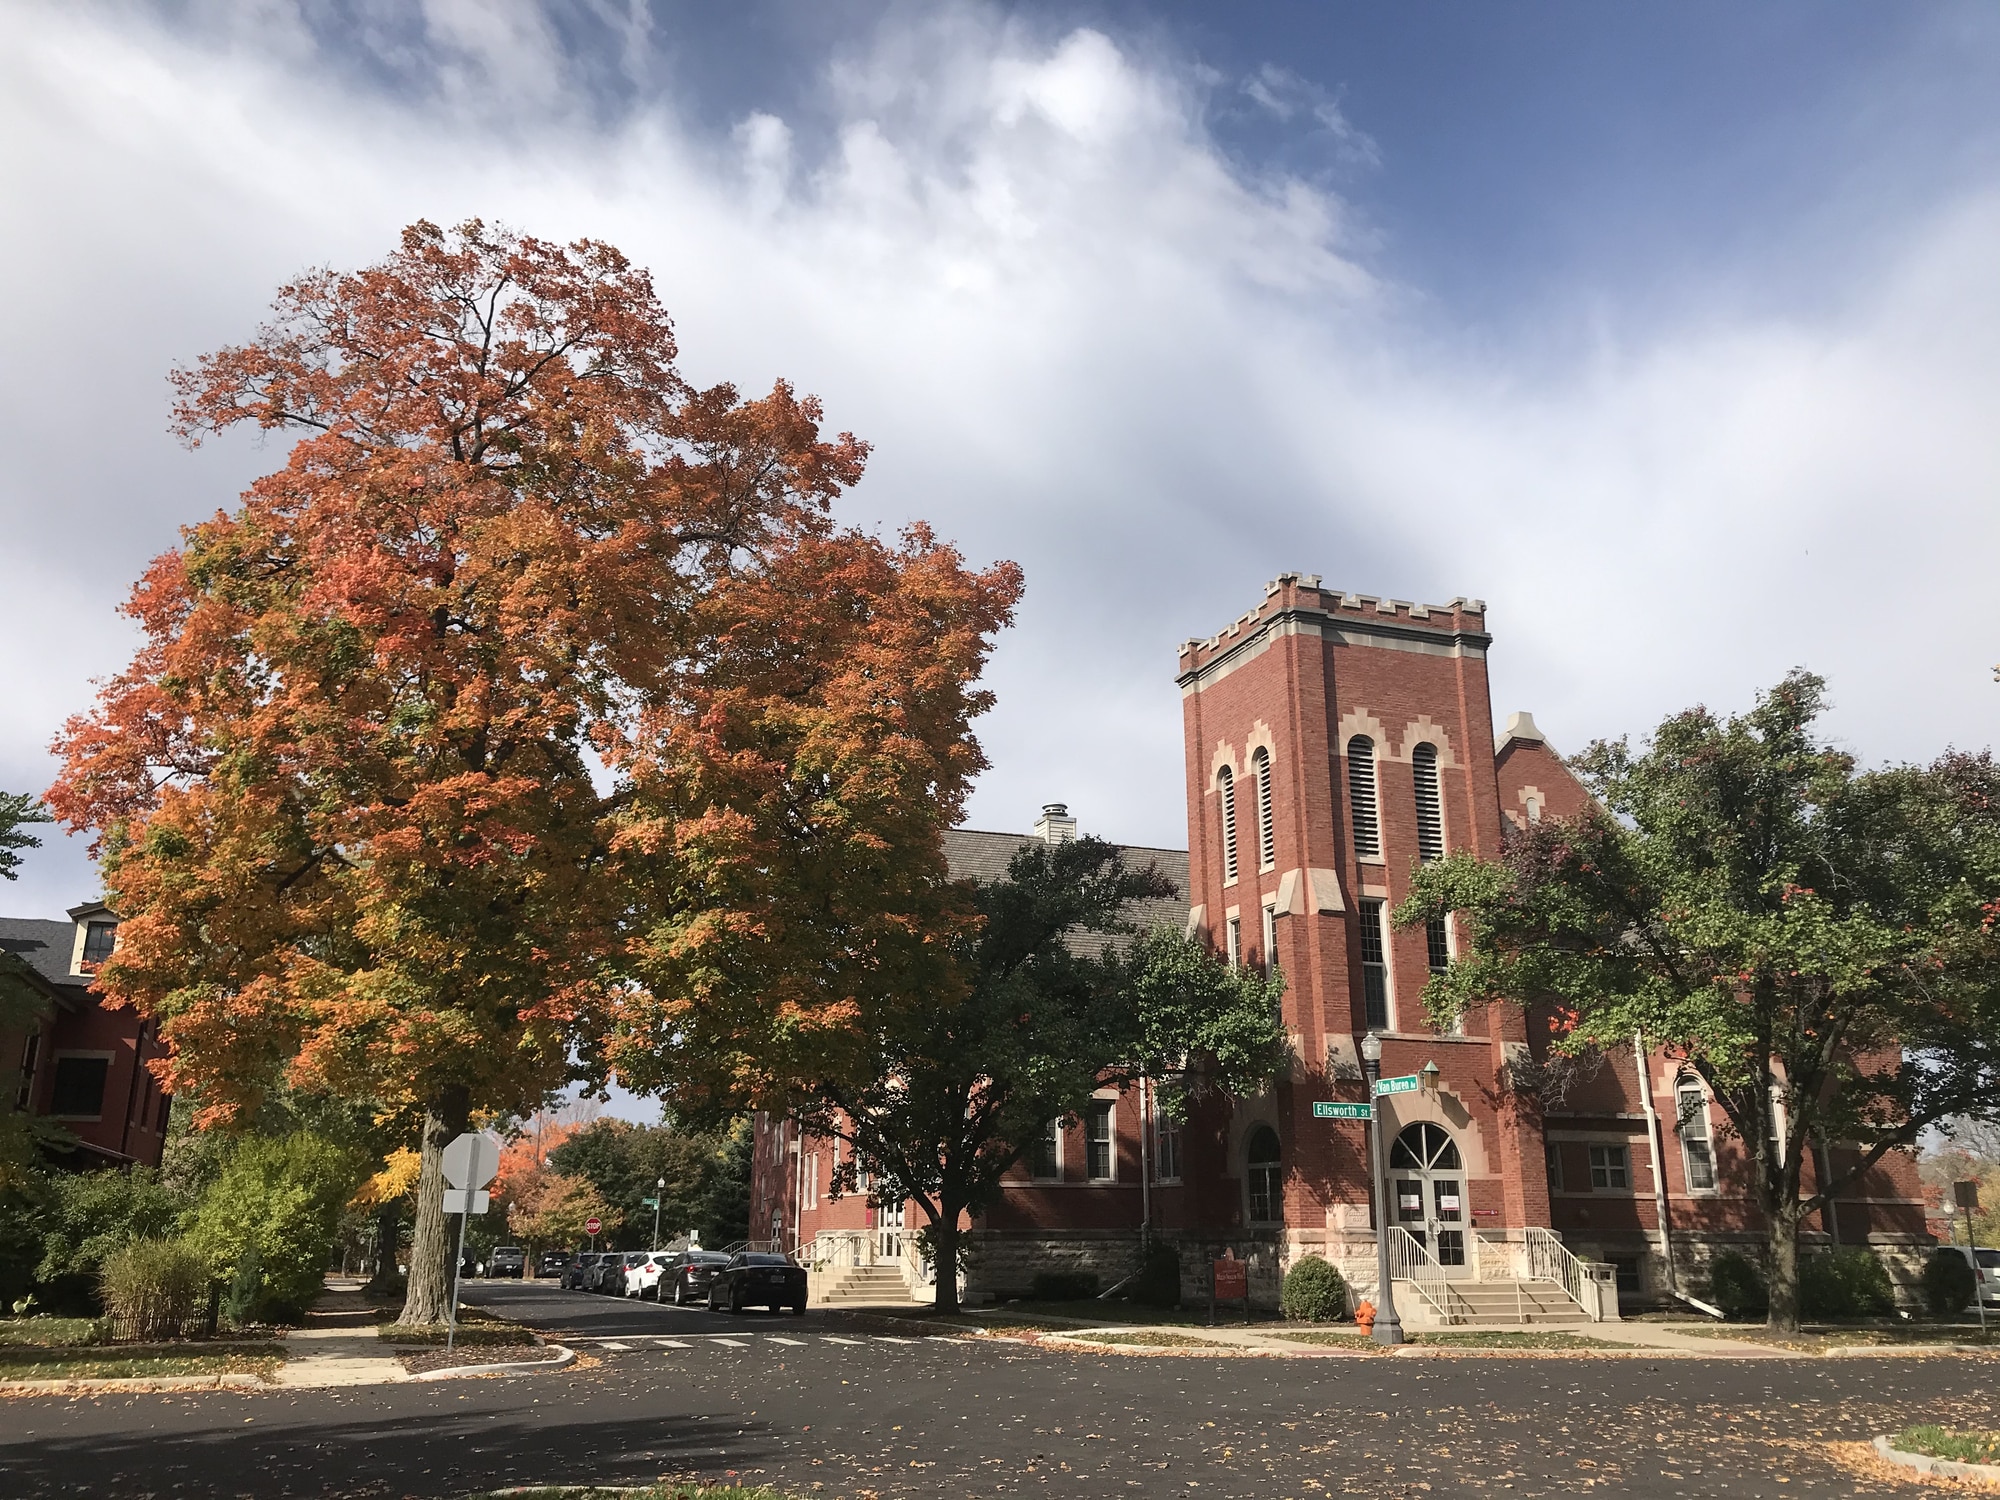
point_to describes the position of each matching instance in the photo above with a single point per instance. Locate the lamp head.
(1429, 1073)
(1371, 1048)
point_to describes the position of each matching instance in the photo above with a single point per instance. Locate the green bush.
(1064, 1286)
(1948, 1283)
(1846, 1283)
(1737, 1286)
(87, 1216)
(268, 1220)
(1158, 1283)
(154, 1289)
(1314, 1292)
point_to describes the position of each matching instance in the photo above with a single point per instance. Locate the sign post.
(469, 1164)
(1966, 1196)
(1387, 1328)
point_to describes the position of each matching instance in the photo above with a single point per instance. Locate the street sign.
(1407, 1084)
(1965, 1195)
(649, 1202)
(471, 1160)
(1232, 1280)
(592, 1226)
(1324, 1109)
(460, 1201)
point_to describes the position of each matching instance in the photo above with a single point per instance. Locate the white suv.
(1985, 1265)
(642, 1274)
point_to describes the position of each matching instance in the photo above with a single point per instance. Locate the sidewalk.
(338, 1344)
(1630, 1337)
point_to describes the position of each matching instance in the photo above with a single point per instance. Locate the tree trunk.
(1783, 1264)
(428, 1299)
(944, 1244)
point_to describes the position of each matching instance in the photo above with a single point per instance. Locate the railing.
(1549, 1259)
(1410, 1261)
(832, 1248)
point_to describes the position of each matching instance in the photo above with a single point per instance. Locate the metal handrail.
(1411, 1261)
(1549, 1259)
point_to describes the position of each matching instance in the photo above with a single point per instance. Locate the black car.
(756, 1278)
(507, 1260)
(611, 1271)
(576, 1275)
(552, 1263)
(688, 1275)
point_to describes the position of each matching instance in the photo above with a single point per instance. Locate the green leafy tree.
(87, 1216)
(1818, 941)
(17, 812)
(1042, 999)
(623, 1163)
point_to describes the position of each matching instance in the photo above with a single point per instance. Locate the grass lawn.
(140, 1361)
(1819, 1337)
(1944, 1442)
(50, 1333)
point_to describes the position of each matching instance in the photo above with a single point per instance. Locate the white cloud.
(1077, 333)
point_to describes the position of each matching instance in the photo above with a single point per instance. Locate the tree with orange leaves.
(380, 798)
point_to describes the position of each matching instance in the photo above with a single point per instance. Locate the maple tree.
(457, 699)
(1821, 944)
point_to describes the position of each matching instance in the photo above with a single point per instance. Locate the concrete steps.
(859, 1286)
(1479, 1304)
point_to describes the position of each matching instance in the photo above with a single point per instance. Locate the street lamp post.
(1388, 1327)
(659, 1193)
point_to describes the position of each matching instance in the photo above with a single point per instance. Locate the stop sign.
(592, 1224)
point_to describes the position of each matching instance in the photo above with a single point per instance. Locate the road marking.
(779, 1338)
(733, 1343)
(831, 1339)
(669, 1344)
(892, 1338)
(621, 1348)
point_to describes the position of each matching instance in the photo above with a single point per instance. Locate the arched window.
(1226, 781)
(1267, 832)
(1424, 1147)
(1267, 1176)
(1430, 803)
(1361, 797)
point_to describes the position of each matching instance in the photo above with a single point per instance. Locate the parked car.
(1985, 1265)
(507, 1260)
(689, 1273)
(760, 1278)
(607, 1263)
(644, 1276)
(553, 1263)
(576, 1274)
(611, 1275)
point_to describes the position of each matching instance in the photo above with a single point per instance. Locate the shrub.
(1314, 1292)
(268, 1220)
(1846, 1283)
(1738, 1286)
(87, 1216)
(154, 1289)
(1948, 1283)
(1158, 1283)
(1064, 1286)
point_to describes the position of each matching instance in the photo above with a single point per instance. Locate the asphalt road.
(829, 1409)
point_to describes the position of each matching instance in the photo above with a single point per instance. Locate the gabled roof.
(46, 948)
(977, 854)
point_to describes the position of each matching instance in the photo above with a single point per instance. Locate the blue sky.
(1670, 330)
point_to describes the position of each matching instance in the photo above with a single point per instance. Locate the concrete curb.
(1946, 1468)
(564, 1356)
(138, 1384)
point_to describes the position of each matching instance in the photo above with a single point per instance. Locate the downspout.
(1145, 1166)
(799, 1194)
(1655, 1142)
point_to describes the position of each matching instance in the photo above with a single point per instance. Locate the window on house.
(1267, 830)
(1226, 780)
(166, 1113)
(1610, 1168)
(99, 938)
(1697, 1149)
(1625, 1270)
(1167, 1144)
(1374, 967)
(1233, 941)
(31, 1051)
(79, 1087)
(1437, 943)
(812, 1181)
(1553, 1165)
(1048, 1152)
(1534, 805)
(1270, 938)
(1361, 798)
(1430, 803)
(1266, 1176)
(1099, 1158)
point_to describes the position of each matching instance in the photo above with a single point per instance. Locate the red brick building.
(76, 1063)
(1333, 742)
